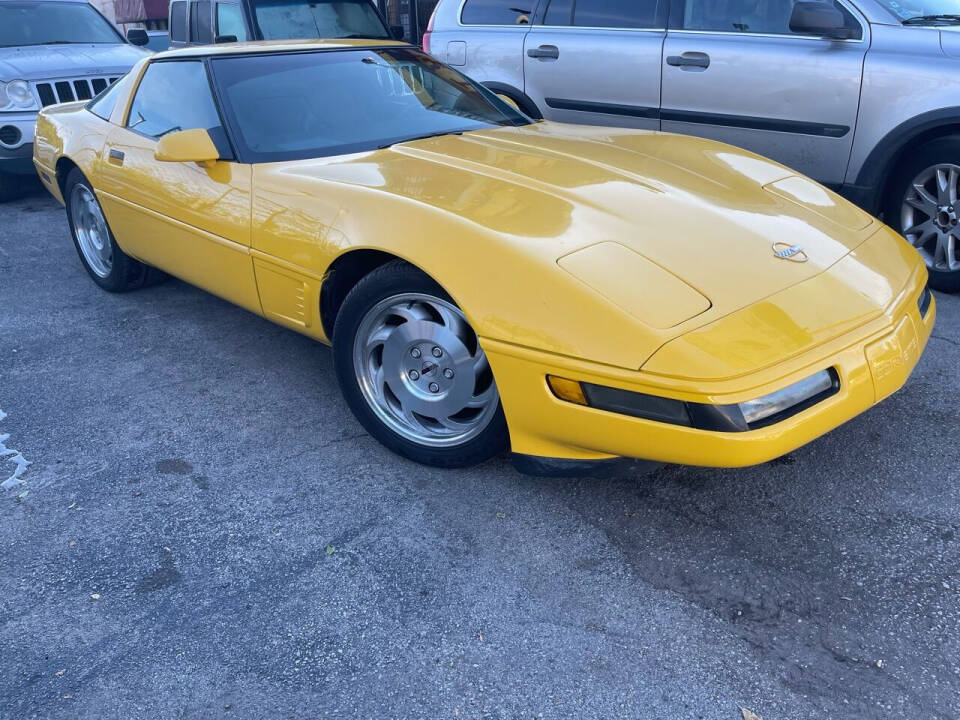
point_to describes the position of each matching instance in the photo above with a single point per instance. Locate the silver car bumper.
(16, 142)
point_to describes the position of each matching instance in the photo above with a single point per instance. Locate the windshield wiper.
(419, 137)
(924, 19)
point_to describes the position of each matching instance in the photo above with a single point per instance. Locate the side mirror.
(187, 146)
(397, 32)
(822, 19)
(225, 38)
(137, 36)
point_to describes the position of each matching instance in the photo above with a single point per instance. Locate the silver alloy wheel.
(422, 371)
(930, 216)
(93, 236)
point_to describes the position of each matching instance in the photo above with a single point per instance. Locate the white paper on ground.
(13, 456)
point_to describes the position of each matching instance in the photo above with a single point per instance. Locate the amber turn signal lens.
(569, 390)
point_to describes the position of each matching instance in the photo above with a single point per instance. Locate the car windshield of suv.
(923, 11)
(291, 106)
(53, 23)
(283, 19)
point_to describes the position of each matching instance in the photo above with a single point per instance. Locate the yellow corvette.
(577, 294)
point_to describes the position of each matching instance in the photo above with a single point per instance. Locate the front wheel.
(924, 205)
(412, 370)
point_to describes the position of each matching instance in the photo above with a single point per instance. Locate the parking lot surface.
(205, 531)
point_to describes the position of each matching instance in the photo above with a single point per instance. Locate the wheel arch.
(523, 101)
(62, 168)
(878, 170)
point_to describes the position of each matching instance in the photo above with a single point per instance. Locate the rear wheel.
(924, 205)
(413, 372)
(108, 266)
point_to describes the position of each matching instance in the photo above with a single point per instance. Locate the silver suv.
(51, 51)
(863, 96)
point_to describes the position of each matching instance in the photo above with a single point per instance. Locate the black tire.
(941, 150)
(395, 278)
(125, 273)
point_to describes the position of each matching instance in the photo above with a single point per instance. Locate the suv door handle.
(689, 60)
(116, 157)
(544, 52)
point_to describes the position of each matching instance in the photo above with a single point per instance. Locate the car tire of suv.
(919, 164)
(108, 266)
(407, 390)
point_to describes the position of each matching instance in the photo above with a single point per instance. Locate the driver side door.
(191, 220)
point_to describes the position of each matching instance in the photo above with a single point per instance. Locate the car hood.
(658, 234)
(48, 62)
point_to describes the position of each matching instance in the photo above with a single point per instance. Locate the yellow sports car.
(577, 294)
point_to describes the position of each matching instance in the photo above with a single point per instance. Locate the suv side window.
(158, 106)
(763, 17)
(178, 21)
(230, 21)
(200, 31)
(603, 13)
(496, 12)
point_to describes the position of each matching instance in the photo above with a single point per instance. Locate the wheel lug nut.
(448, 373)
(415, 352)
(414, 375)
(437, 352)
(434, 387)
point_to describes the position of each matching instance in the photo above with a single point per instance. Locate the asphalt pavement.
(204, 531)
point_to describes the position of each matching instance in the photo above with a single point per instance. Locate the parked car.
(152, 40)
(157, 40)
(50, 51)
(862, 95)
(201, 22)
(575, 293)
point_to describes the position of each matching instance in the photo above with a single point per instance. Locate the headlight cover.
(16, 95)
(749, 415)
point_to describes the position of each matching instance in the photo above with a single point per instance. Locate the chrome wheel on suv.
(930, 216)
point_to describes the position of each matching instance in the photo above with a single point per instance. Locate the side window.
(559, 13)
(496, 12)
(159, 108)
(615, 13)
(200, 22)
(178, 21)
(763, 17)
(230, 21)
(103, 104)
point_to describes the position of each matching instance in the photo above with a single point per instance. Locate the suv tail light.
(426, 33)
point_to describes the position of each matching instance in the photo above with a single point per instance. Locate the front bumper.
(872, 362)
(16, 142)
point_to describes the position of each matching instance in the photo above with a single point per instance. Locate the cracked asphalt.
(206, 532)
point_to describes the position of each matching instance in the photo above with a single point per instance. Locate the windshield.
(303, 105)
(908, 9)
(286, 19)
(53, 23)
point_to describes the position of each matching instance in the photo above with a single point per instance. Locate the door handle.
(116, 157)
(544, 52)
(691, 60)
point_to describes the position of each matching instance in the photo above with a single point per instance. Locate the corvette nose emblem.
(793, 253)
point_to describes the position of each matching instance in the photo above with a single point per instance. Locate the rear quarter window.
(496, 12)
(103, 104)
